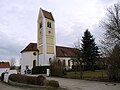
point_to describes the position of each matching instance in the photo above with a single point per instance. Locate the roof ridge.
(45, 10)
(32, 42)
(65, 47)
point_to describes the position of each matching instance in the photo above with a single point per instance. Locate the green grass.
(87, 74)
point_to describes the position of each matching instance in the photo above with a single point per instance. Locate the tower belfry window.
(49, 24)
(41, 25)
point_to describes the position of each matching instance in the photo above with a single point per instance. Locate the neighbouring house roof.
(4, 65)
(60, 50)
(47, 15)
(30, 47)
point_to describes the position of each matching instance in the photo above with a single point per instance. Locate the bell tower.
(46, 37)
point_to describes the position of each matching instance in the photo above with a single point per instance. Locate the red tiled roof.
(60, 50)
(65, 51)
(30, 47)
(47, 15)
(4, 65)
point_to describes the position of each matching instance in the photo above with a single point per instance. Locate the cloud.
(18, 21)
(17, 27)
(107, 2)
(8, 46)
(69, 34)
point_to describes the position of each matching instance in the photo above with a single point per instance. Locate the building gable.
(30, 47)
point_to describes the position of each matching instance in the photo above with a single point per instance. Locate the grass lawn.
(87, 74)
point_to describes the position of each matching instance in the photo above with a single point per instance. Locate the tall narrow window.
(64, 63)
(49, 60)
(34, 63)
(50, 25)
(69, 63)
(41, 25)
(47, 24)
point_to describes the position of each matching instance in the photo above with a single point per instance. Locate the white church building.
(40, 53)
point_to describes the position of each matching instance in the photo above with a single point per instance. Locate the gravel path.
(74, 84)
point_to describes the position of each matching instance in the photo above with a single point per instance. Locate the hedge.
(40, 80)
(39, 69)
(27, 79)
(86, 67)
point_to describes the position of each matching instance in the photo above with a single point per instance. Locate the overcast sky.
(18, 22)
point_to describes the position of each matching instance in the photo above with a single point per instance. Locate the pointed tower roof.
(47, 14)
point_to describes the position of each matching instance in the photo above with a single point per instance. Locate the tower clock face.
(49, 32)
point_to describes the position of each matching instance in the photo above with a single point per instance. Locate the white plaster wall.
(27, 59)
(49, 56)
(44, 60)
(41, 59)
(3, 70)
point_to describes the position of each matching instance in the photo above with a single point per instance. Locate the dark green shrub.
(39, 69)
(27, 79)
(40, 80)
(77, 67)
(12, 67)
(53, 83)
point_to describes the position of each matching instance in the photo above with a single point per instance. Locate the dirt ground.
(75, 84)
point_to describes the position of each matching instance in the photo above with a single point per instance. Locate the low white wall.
(12, 72)
(7, 74)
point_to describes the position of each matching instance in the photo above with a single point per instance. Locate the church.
(45, 50)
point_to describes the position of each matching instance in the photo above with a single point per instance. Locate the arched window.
(64, 63)
(69, 63)
(49, 60)
(59, 62)
(48, 24)
(34, 63)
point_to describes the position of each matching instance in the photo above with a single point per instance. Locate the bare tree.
(12, 61)
(111, 41)
(111, 24)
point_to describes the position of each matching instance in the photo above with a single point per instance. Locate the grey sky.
(18, 22)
